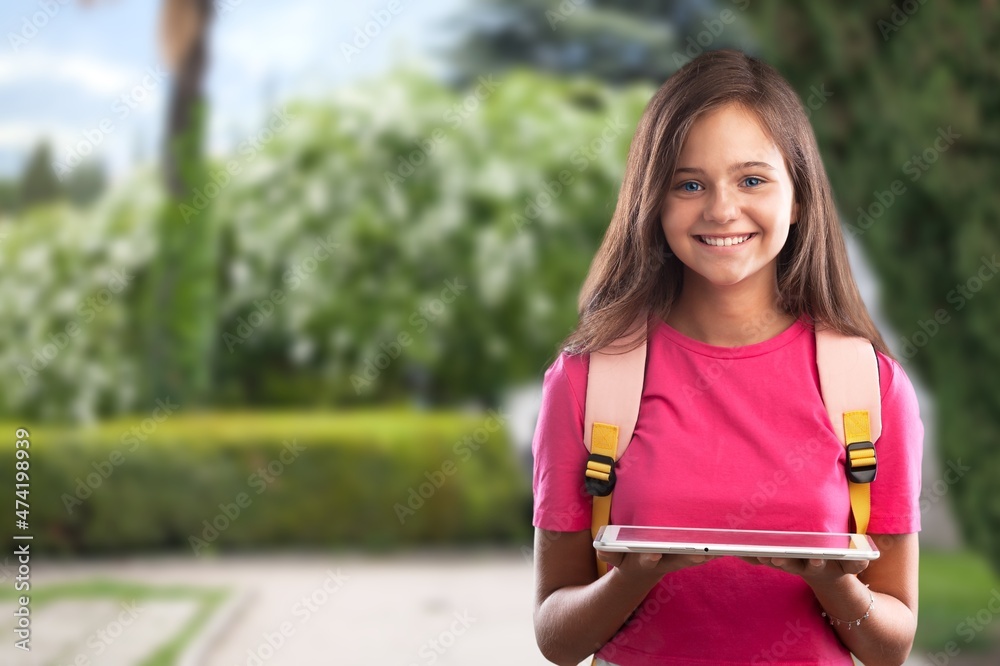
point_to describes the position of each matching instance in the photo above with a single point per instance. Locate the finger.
(611, 558)
(853, 566)
(649, 560)
(815, 565)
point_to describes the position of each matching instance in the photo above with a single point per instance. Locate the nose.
(721, 206)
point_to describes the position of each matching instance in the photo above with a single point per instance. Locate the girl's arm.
(575, 611)
(885, 637)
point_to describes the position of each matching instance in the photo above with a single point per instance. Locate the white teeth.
(724, 242)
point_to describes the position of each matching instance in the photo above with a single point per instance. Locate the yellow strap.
(858, 429)
(603, 441)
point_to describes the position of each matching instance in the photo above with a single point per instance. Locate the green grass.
(97, 589)
(954, 587)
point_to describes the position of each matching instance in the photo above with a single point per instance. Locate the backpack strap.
(614, 388)
(848, 378)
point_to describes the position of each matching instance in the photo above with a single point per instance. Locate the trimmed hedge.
(202, 482)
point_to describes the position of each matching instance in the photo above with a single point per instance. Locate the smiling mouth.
(724, 241)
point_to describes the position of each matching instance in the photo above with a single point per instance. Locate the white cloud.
(25, 134)
(91, 74)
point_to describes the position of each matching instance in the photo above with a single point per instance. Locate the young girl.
(725, 240)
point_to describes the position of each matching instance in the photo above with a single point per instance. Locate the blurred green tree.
(85, 183)
(39, 183)
(909, 129)
(181, 283)
(618, 42)
(8, 196)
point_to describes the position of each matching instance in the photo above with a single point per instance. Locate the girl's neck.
(733, 316)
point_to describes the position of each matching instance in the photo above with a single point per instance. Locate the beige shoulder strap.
(848, 378)
(614, 387)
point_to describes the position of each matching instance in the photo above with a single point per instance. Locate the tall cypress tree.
(38, 182)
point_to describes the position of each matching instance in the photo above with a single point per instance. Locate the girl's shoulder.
(896, 389)
(567, 375)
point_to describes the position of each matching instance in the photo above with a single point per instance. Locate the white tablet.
(746, 543)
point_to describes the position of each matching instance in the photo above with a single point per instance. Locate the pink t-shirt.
(727, 438)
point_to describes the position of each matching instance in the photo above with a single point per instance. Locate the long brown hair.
(634, 275)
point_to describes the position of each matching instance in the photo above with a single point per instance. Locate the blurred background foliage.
(416, 241)
(357, 252)
(910, 103)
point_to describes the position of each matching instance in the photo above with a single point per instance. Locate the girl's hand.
(651, 566)
(812, 571)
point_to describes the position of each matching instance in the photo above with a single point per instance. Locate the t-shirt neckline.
(797, 328)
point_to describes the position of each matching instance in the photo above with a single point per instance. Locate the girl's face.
(728, 209)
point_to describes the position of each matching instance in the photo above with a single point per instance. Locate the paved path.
(446, 609)
(352, 609)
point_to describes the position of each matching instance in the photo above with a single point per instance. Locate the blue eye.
(690, 186)
(757, 181)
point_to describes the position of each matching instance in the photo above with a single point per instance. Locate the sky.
(89, 77)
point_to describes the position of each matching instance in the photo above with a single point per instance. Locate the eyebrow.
(736, 167)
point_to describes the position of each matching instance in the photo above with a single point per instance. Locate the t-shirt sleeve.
(560, 501)
(895, 492)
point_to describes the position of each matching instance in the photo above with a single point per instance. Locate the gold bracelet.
(871, 605)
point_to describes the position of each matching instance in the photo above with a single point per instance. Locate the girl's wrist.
(840, 597)
(836, 586)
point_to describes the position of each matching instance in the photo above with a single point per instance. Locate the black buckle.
(864, 473)
(600, 487)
